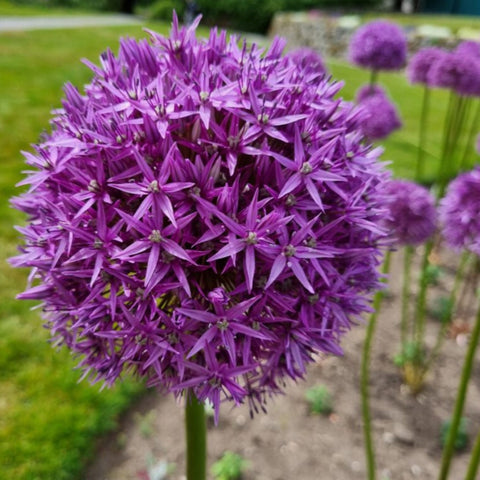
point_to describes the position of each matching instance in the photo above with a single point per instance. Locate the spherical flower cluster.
(382, 117)
(459, 212)
(456, 71)
(369, 90)
(412, 218)
(379, 45)
(309, 60)
(469, 48)
(420, 64)
(204, 216)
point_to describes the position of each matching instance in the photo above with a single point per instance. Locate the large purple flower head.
(456, 71)
(309, 60)
(382, 117)
(204, 216)
(420, 64)
(379, 45)
(459, 212)
(412, 218)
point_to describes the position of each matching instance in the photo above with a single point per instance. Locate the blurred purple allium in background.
(456, 71)
(379, 45)
(469, 48)
(420, 64)
(204, 216)
(309, 60)
(381, 118)
(412, 218)
(459, 212)
(369, 90)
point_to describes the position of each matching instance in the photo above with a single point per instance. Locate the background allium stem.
(442, 178)
(407, 264)
(422, 132)
(196, 438)
(473, 130)
(373, 80)
(474, 460)
(460, 401)
(365, 374)
(420, 311)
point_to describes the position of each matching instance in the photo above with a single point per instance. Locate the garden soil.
(290, 443)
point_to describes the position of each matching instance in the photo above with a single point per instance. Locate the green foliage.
(230, 467)
(320, 400)
(442, 309)
(434, 273)
(245, 15)
(162, 9)
(412, 353)
(462, 439)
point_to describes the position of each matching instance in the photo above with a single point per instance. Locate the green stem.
(451, 302)
(460, 402)
(196, 436)
(367, 427)
(422, 132)
(474, 460)
(407, 263)
(442, 179)
(471, 134)
(463, 114)
(373, 79)
(420, 311)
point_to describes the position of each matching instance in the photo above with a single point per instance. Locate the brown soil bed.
(290, 443)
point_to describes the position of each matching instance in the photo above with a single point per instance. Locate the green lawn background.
(47, 419)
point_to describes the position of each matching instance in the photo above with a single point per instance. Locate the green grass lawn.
(47, 421)
(8, 8)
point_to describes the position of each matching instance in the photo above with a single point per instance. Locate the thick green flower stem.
(367, 424)
(407, 263)
(422, 132)
(474, 460)
(460, 402)
(196, 437)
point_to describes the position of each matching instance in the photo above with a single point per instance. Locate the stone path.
(11, 24)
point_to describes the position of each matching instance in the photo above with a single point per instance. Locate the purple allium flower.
(412, 218)
(204, 216)
(379, 45)
(309, 60)
(456, 71)
(382, 117)
(368, 90)
(459, 212)
(420, 64)
(469, 48)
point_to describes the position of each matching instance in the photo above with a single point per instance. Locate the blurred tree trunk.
(127, 6)
(397, 5)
